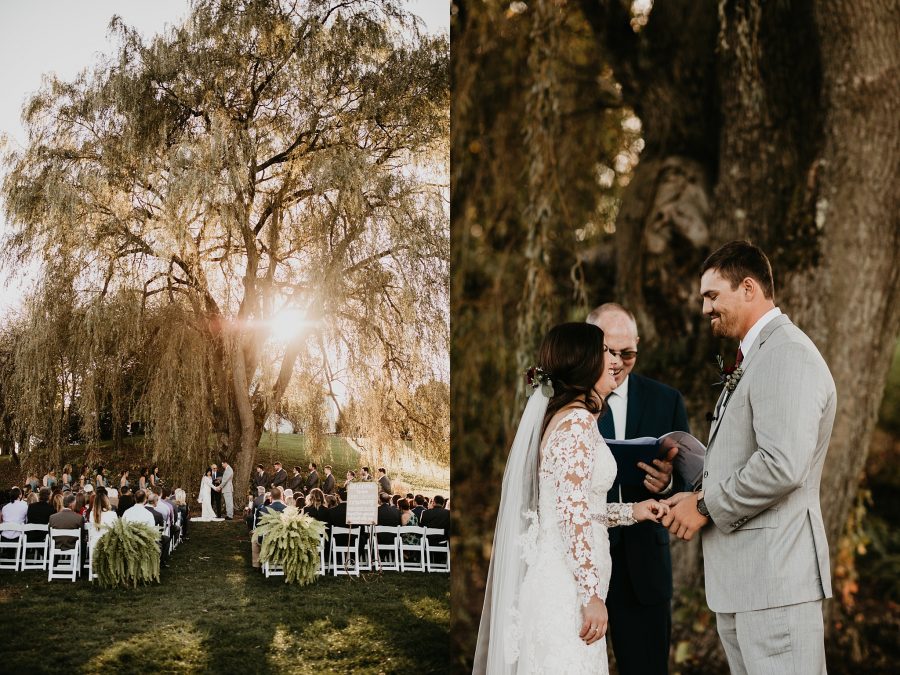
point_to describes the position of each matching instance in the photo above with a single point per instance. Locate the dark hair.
(395, 499)
(44, 494)
(140, 496)
(68, 500)
(572, 356)
(297, 469)
(366, 469)
(737, 260)
(403, 504)
(384, 498)
(439, 500)
(260, 466)
(14, 494)
(318, 497)
(382, 470)
(419, 500)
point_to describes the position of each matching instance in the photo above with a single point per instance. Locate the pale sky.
(63, 37)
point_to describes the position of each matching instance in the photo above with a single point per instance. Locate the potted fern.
(291, 539)
(127, 554)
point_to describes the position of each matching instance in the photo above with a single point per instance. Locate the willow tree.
(771, 121)
(264, 163)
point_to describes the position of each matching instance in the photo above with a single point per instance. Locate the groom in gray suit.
(227, 489)
(764, 547)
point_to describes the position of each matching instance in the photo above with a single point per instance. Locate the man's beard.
(723, 327)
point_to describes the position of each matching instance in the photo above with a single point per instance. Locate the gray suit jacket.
(228, 480)
(766, 545)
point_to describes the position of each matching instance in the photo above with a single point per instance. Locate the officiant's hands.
(594, 620)
(649, 510)
(683, 519)
(660, 474)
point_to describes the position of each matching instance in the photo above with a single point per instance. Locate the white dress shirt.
(618, 408)
(14, 512)
(139, 514)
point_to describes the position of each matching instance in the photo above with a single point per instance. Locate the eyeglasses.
(624, 354)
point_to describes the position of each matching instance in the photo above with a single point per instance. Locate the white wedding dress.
(205, 499)
(567, 552)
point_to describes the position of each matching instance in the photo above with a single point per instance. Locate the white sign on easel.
(362, 503)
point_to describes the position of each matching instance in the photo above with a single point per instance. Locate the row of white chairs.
(395, 554)
(46, 554)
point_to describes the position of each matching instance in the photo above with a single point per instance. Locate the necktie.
(739, 358)
(607, 426)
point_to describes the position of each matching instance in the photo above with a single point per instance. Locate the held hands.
(594, 620)
(659, 475)
(683, 519)
(649, 510)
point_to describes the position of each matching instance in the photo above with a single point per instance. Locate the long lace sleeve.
(573, 466)
(615, 514)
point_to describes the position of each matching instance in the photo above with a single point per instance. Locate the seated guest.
(278, 506)
(100, 518)
(395, 499)
(31, 498)
(126, 501)
(80, 504)
(331, 501)
(56, 499)
(159, 520)
(66, 519)
(437, 516)
(178, 498)
(14, 511)
(139, 513)
(289, 498)
(388, 514)
(315, 505)
(407, 517)
(39, 513)
(419, 507)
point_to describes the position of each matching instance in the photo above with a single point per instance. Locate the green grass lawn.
(213, 614)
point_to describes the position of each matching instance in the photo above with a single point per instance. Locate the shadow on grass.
(213, 613)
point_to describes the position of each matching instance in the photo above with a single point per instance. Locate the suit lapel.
(722, 405)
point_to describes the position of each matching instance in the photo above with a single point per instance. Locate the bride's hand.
(594, 620)
(649, 510)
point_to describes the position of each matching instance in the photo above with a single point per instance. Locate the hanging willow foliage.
(127, 555)
(291, 539)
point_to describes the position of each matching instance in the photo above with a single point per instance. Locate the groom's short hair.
(737, 260)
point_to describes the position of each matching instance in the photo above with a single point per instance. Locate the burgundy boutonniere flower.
(729, 376)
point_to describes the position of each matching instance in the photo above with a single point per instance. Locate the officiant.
(640, 589)
(216, 494)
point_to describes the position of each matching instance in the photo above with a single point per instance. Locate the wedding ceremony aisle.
(213, 613)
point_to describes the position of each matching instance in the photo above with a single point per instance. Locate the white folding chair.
(441, 547)
(13, 544)
(39, 560)
(345, 555)
(64, 563)
(391, 548)
(323, 563)
(407, 550)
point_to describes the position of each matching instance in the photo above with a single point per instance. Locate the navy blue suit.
(640, 590)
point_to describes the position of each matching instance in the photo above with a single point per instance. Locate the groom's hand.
(660, 474)
(683, 519)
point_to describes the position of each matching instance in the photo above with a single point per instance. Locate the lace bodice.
(577, 469)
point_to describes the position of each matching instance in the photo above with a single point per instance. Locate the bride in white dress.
(544, 608)
(205, 497)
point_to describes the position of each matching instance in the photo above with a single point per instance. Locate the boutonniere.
(538, 379)
(729, 376)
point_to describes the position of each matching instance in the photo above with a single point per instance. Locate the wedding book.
(688, 462)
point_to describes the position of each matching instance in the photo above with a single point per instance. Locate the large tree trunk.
(808, 155)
